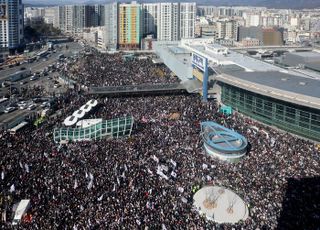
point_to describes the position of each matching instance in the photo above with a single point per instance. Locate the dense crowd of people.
(114, 70)
(113, 183)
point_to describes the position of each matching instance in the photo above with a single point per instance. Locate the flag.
(204, 166)
(75, 184)
(173, 163)
(173, 174)
(90, 184)
(26, 166)
(149, 171)
(155, 158)
(12, 188)
(184, 200)
(27, 218)
(164, 168)
(91, 176)
(100, 198)
(160, 173)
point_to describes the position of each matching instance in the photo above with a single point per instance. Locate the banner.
(3, 12)
(199, 61)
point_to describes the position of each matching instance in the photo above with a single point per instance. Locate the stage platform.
(220, 205)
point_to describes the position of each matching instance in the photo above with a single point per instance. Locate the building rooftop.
(295, 86)
(282, 86)
(232, 57)
(309, 54)
(283, 81)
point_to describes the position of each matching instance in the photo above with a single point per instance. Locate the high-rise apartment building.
(168, 24)
(273, 36)
(227, 29)
(150, 17)
(187, 19)
(11, 25)
(111, 26)
(74, 18)
(253, 32)
(129, 26)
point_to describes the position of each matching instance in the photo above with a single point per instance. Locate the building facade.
(168, 28)
(129, 24)
(227, 29)
(150, 17)
(111, 26)
(187, 19)
(11, 25)
(297, 119)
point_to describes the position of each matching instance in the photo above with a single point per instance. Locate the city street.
(48, 82)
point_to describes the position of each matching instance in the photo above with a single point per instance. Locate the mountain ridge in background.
(278, 4)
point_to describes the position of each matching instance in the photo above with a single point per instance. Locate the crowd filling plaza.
(113, 183)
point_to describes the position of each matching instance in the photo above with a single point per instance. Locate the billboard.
(199, 61)
(200, 72)
(3, 12)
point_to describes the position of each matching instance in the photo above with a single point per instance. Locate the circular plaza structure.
(223, 143)
(220, 205)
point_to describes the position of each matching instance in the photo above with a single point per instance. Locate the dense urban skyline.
(284, 4)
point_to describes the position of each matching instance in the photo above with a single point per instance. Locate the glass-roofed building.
(115, 128)
(286, 98)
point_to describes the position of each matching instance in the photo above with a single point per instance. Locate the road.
(48, 84)
(40, 64)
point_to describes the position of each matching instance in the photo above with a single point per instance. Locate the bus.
(22, 208)
(17, 76)
(43, 54)
(15, 129)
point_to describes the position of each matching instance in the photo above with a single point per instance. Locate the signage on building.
(3, 12)
(199, 61)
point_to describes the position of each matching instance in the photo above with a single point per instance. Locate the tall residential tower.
(11, 26)
(129, 25)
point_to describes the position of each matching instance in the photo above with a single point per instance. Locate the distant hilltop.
(284, 4)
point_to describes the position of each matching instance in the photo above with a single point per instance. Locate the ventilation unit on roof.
(284, 79)
(302, 83)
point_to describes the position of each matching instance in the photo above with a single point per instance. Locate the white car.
(31, 107)
(9, 109)
(21, 103)
(45, 104)
(23, 106)
(34, 77)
